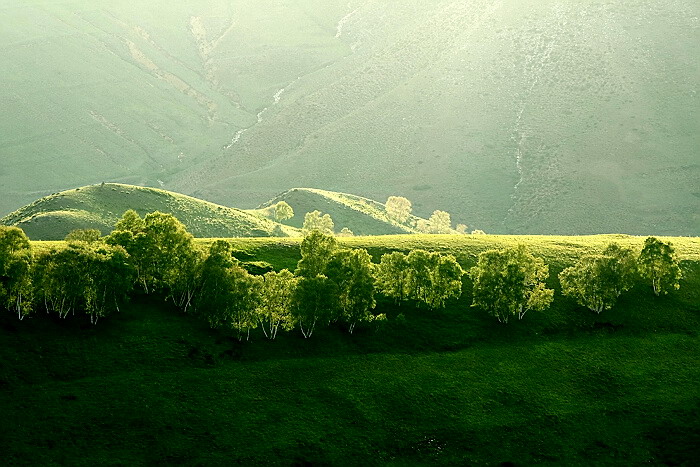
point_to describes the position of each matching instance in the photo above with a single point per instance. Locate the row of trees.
(397, 209)
(94, 275)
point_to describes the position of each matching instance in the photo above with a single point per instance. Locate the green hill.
(100, 206)
(518, 117)
(361, 215)
(567, 386)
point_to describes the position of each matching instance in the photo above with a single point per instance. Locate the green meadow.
(151, 385)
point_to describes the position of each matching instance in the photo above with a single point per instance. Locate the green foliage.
(440, 222)
(92, 278)
(446, 281)
(84, 235)
(658, 263)
(510, 282)
(161, 248)
(15, 271)
(433, 278)
(315, 301)
(421, 264)
(595, 282)
(353, 273)
(257, 268)
(398, 208)
(345, 232)
(275, 307)
(317, 248)
(228, 295)
(316, 221)
(624, 266)
(363, 216)
(392, 275)
(283, 211)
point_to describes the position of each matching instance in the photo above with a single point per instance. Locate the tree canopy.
(315, 220)
(509, 282)
(283, 211)
(398, 208)
(353, 273)
(659, 264)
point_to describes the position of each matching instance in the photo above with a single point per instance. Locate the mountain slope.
(519, 117)
(361, 215)
(100, 206)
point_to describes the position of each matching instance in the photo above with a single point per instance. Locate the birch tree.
(352, 272)
(275, 306)
(398, 208)
(15, 271)
(659, 264)
(315, 220)
(510, 282)
(392, 276)
(594, 282)
(315, 303)
(317, 249)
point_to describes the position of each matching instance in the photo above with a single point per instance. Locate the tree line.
(96, 275)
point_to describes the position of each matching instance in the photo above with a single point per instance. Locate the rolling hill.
(518, 117)
(361, 215)
(100, 206)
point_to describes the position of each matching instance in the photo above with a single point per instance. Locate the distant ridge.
(100, 206)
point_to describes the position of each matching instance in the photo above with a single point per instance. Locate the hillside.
(361, 215)
(518, 117)
(150, 385)
(100, 206)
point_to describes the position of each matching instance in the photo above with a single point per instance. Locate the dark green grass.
(150, 385)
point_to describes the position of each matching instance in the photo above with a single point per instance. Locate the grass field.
(560, 116)
(564, 387)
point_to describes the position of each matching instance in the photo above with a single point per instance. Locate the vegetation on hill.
(450, 386)
(100, 207)
(356, 214)
(361, 215)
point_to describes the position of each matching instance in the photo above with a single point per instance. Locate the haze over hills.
(527, 117)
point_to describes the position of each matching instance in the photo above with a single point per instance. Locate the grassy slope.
(100, 206)
(558, 117)
(450, 387)
(361, 215)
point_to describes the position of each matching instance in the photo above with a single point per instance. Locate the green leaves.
(353, 273)
(228, 295)
(430, 278)
(317, 249)
(658, 263)
(398, 208)
(315, 220)
(91, 278)
(510, 282)
(596, 281)
(15, 271)
(283, 211)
